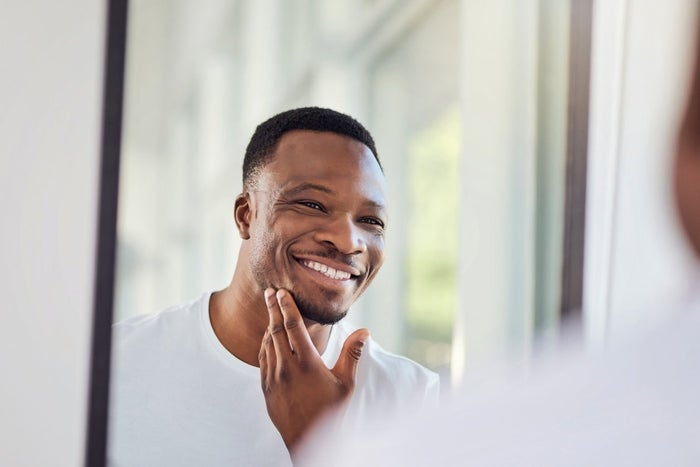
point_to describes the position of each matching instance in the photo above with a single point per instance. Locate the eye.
(372, 221)
(312, 205)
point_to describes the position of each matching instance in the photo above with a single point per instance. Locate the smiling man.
(238, 376)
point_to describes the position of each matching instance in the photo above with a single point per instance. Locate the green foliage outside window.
(432, 239)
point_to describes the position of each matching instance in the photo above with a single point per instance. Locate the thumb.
(346, 366)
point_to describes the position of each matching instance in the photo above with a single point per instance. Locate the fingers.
(262, 358)
(276, 328)
(345, 368)
(297, 333)
(268, 361)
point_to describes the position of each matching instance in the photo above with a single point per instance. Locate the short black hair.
(266, 136)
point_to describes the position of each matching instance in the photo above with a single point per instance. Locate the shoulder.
(381, 370)
(165, 324)
(397, 367)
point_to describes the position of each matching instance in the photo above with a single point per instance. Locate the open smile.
(329, 273)
(326, 270)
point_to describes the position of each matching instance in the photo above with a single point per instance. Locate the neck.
(239, 317)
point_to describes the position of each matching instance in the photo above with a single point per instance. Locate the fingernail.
(269, 292)
(280, 293)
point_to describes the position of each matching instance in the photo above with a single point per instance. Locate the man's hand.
(297, 385)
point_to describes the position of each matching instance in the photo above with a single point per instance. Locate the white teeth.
(327, 270)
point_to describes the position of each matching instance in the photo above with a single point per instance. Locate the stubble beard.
(308, 310)
(314, 313)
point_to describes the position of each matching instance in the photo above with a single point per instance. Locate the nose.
(343, 234)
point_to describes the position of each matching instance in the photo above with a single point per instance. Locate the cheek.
(266, 232)
(262, 242)
(376, 254)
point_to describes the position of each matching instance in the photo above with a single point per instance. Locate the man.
(193, 385)
(637, 405)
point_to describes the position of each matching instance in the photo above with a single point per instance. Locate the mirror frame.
(112, 107)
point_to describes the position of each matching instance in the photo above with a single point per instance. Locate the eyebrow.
(324, 189)
(374, 204)
(310, 186)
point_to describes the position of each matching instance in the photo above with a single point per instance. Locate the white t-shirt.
(179, 398)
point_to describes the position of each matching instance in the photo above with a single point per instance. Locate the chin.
(318, 314)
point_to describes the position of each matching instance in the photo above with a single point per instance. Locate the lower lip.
(325, 280)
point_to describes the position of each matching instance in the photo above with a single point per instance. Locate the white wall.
(50, 95)
(636, 259)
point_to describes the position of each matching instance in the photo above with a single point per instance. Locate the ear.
(242, 214)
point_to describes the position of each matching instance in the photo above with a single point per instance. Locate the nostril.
(343, 236)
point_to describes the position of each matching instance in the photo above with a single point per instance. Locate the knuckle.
(355, 353)
(291, 323)
(283, 373)
(276, 328)
(345, 388)
(304, 366)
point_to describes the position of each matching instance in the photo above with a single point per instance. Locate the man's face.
(318, 221)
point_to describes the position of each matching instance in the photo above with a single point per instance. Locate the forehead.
(325, 158)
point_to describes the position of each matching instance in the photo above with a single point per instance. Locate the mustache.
(330, 254)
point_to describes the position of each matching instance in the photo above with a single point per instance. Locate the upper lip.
(339, 266)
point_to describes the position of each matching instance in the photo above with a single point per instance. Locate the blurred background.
(480, 111)
(503, 126)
